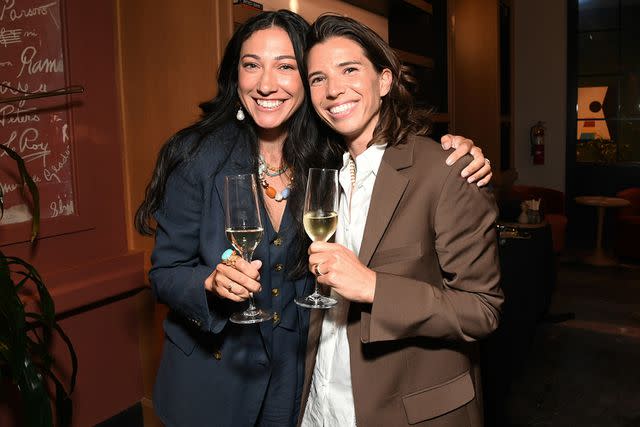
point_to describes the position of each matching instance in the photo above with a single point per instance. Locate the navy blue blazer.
(212, 371)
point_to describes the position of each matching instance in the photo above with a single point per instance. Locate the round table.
(599, 257)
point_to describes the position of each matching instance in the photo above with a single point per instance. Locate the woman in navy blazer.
(214, 372)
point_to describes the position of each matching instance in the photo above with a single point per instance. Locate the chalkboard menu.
(32, 61)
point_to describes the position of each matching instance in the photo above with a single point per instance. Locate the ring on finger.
(229, 257)
(317, 270)
(230, 287)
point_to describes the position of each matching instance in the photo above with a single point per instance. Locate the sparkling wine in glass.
(320, 220)
(244, 230)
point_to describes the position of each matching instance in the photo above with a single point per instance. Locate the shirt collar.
(368, 161)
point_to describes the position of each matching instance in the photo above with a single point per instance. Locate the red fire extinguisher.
(537, 143)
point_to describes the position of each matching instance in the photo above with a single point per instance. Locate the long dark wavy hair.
(301, 149)
(398, 116)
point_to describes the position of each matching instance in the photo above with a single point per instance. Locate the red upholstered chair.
(552, 207)
(628, 225)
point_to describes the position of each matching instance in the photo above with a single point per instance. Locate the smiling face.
(346, 89)
(269, 83)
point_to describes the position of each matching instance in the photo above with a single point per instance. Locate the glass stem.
(316, 289)
(252, 305)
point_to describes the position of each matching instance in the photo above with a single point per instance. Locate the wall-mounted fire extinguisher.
(537, 143)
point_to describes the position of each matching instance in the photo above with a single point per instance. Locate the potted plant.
(26, 362)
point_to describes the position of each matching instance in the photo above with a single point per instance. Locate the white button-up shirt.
(331, 396)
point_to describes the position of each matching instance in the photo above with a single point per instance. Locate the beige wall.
(540, 74)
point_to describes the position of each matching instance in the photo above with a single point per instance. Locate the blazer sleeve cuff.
(383, 320)
(199, 311)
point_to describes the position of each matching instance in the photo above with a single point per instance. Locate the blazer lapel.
(237, 163)
(387, 191)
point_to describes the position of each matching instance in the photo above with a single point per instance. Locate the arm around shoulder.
(466, 305)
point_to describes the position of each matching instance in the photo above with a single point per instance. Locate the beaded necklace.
(352, 171)
(265, 170)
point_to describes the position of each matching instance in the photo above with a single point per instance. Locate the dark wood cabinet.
(418, 34)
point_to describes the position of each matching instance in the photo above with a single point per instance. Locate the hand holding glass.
(320, 221)
(244, 230)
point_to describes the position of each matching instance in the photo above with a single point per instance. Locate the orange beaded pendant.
(271, 192)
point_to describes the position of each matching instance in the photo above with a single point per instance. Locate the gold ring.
(317, 270)
(230, 261)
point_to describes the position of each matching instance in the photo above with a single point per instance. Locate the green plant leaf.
(45, 302)
(64, 407)
(33, 189)
(25, 337)
(74, 358)
(12, 325)
(25, 340)
(35, 398)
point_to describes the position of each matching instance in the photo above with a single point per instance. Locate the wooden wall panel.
(109, 374)
(168, 59)
(167, 63)
(475, 74)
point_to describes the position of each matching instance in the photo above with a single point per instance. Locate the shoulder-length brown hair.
(398, 116)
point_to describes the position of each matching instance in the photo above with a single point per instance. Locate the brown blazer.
(430, 237)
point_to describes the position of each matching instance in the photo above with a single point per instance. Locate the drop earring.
(240, 114)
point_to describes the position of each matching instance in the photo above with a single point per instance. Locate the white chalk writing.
(28, 146)
(46, 65)
(9, 10)
(10, 36)
(10, 114)
(51, 173)
(32, 62)
(21, 88)
(8, 188)
(61, 207)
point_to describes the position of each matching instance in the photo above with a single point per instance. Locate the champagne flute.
(320, 221)
(244, 230)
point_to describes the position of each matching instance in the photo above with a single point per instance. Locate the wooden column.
(475, 74)
(168, 56)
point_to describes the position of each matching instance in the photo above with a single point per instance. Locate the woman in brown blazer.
(415, 263)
